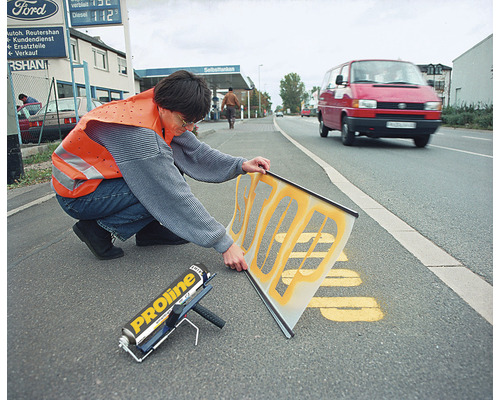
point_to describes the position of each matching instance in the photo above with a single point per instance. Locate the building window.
(82, 91)
(434, 69)
(64, 90)
(439, 85)
(102, 95)
(116, 95)
(122, 66)
(74, 51)
(100, 59)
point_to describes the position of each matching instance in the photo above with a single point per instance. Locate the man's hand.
(233, 258)
(257, 164)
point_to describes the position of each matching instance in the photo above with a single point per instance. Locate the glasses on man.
(184, 123)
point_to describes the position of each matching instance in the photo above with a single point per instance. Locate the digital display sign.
(94, 12)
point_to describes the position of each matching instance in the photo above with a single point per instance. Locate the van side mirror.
(339, 80)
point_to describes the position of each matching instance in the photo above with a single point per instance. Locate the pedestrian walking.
(231, 101)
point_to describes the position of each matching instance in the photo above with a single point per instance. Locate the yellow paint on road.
(336, 277)
(348, 309)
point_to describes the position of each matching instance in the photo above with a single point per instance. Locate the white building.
(472, 80)
(107, 70)
(439, 76)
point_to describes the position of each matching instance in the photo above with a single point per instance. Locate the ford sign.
(31, 10)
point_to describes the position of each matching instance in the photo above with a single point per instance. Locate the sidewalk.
(66, 308)
(205, 127)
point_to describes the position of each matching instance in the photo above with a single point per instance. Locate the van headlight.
(433, 105)
(362, 103)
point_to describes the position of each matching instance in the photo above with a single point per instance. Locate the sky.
(304, 37)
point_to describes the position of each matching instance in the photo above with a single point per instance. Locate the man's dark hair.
(185, 93)
(230, 89)
(22, 96)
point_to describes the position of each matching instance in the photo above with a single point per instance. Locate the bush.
(469, 116)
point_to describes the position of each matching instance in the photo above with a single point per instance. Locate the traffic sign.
(41, 42)
(94, 12)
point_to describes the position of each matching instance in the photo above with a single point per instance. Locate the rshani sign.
(286, 233)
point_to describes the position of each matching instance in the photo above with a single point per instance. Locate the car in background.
(65, 123)
(279, 114)
(306, 112)
(23, 113)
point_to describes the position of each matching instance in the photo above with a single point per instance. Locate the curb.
(31, 150)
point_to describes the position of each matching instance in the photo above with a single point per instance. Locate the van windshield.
(386, 72)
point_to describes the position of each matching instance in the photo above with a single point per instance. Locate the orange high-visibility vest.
(79, 164)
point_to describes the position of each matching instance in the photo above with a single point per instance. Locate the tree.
(265, 101)
(292, 90)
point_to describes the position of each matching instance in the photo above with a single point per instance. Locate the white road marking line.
(470, 287)
(28, 205)
(473, 289)
(477, 138)
(461, 151)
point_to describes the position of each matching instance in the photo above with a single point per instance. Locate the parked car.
(305, 112)
(279, 114)
(66, 122)
(23, 113)
(378, 98)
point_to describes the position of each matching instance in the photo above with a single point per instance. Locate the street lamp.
(260, 65)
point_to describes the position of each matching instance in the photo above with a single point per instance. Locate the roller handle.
(209, 315)
(174, 315)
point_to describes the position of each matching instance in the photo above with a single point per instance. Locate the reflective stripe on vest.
(80, 164)
(73, 160)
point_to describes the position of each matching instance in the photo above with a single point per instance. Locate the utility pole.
(260, 113)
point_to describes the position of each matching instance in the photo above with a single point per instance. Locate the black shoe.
(154, 233)
(97, 239)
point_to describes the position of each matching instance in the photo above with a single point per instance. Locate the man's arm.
(147, 165)
(203, 163)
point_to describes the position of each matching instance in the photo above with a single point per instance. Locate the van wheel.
(421, 141)
(323, 130)
(348, 137)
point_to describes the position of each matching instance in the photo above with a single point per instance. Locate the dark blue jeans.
(113, 205)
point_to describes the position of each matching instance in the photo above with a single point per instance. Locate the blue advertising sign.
(41, 42)
(94, 12)
(220, 69)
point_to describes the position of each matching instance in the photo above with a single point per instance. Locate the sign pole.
(128, 47)
(68, 36)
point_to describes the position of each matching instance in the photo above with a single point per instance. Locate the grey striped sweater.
(151, 169)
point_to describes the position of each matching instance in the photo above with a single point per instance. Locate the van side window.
(331, 80)
(325, 81)
(345, 72)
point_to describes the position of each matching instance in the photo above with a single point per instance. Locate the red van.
(378, 98)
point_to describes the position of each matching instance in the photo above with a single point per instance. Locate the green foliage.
(469, 116)
(292, 90)
(39, 173)
(265, 101)
(32, 177)
(45, 155)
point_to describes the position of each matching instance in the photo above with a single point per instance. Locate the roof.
(473, 47)
(423, 67)
(217, 77)
(95, 40)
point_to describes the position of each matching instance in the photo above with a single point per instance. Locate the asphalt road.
(66, 308)
(445, 191)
